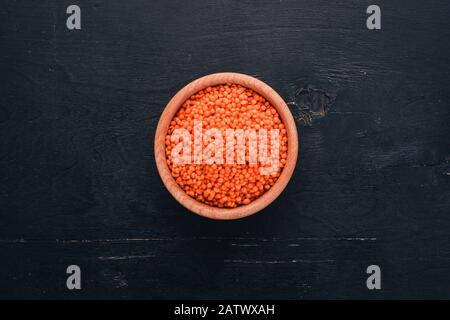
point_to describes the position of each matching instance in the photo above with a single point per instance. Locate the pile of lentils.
(227, 106)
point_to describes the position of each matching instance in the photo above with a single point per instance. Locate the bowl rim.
(174, 105)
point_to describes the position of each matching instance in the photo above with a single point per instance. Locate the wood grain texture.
(78, 183)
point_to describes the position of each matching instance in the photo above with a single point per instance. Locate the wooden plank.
(79, 184)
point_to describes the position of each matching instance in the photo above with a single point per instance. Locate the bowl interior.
(171, 109)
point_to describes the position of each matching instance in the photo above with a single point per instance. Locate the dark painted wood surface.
(78, 183)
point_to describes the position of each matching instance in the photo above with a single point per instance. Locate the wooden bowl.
(171, 109)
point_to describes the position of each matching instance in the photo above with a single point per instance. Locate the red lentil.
(228, 106)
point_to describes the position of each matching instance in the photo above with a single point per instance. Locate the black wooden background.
(78, 182)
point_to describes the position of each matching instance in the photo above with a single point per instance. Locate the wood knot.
(309, 104)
